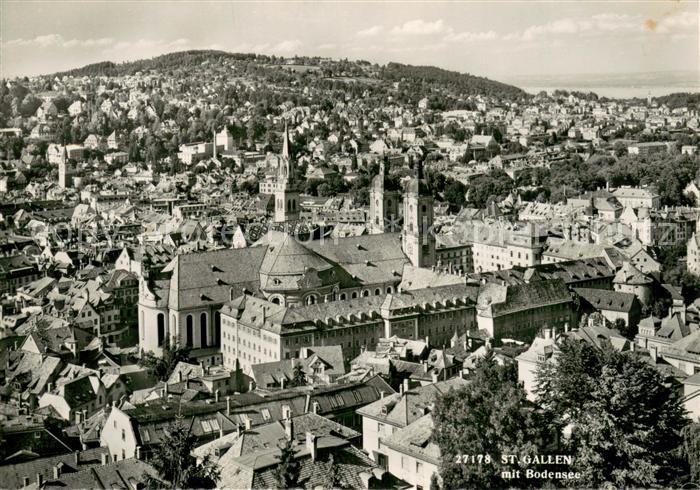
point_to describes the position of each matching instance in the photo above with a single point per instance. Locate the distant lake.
(617, 92)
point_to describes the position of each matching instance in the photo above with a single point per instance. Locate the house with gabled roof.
(252, 458)
(393, 412)
(614, 305)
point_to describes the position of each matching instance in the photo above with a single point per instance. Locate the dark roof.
(504, 300)
(403, 409)
(209, 277)
(11, 475)
(126, 473)
(602, 299)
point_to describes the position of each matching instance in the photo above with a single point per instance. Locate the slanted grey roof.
(602, 299)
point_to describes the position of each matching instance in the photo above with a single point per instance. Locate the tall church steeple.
(418, 237)
(286, 193)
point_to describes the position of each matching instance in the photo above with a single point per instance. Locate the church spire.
(285, 143)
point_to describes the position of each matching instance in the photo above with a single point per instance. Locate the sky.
(498, 39)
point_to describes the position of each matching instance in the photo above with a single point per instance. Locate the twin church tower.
(417, 236)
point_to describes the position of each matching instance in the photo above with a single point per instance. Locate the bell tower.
(418, 236)
(286, 189)
(383, 205)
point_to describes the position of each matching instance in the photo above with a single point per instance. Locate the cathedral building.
(182, 302)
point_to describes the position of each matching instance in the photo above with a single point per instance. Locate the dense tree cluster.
(460, 82)
(489, 416)
(670, 173)
(620, 418)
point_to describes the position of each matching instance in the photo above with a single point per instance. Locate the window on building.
(203, 329)
(189, 329)
(161, 329)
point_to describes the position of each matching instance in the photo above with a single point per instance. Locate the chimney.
(401, 389)
(461, 373)
(425, 367)
(104, 459)
(39, 480)
(288, 429)
(435, 377)
(49, 387)
(314, 407)
(216, 396)
(179, 376)
(427, 340)
(282, 383)
(76, 455)
(311, 445)
(251, 386)
(405, 385)
(78, 417)
(381, 394)
(228, 405)
(56, 472)
(248, 423)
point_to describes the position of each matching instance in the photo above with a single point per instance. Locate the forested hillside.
(459, 82)
(421, 79)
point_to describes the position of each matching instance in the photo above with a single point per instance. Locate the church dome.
(286, 256)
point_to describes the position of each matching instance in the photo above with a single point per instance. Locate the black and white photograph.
(406, 245)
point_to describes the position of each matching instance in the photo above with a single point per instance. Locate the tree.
(627, 331)
(162, 367)
(298, 375)
(331, 477)
(691, 449)
(625, 419)
(286, 473)
(489, 416)
(455, 194)
(176, 466)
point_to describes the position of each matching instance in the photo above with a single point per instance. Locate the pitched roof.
(602, 299)
(202, 278)
(403, 409)
(12, 475)
(369, 259)
(630, 275)
(416, 440)
(498, 300)
(126, 473)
